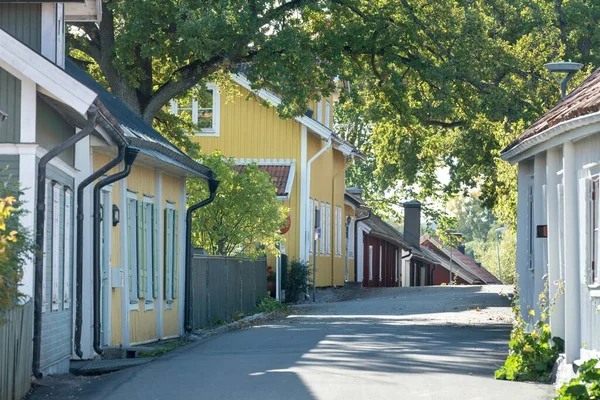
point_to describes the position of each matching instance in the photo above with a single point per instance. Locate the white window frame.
(46, 244)
(327, 114)
(320, 111)
(169, 253)
(68, 248)
(148, 219)
(132, 257)
(338, 231)
(350, 239)
(56, 189)
(323, 226)
(216, 118)
(594, 232)
(311, 223)
(380, 263)
(328, 229)
(530, 226)
(370, 262)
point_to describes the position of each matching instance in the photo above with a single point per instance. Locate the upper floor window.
(320, 111)
(202, 109)
(327, 114)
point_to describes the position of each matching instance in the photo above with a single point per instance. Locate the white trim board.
(22, 61)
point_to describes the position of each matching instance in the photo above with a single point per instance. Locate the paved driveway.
(434, 343)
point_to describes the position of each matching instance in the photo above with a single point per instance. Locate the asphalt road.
(435, 343)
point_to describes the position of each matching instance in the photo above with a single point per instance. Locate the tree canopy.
(432, 83)
(245, 216)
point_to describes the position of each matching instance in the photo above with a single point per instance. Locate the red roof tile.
(279, 173)
(585, 99)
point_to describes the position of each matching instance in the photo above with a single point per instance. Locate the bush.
(532, 354)
(15, 248)
(268, 304)
(297, 281)
(585, 386)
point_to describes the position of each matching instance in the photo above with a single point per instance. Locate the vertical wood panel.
(10, 103)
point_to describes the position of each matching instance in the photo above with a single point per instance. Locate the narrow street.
(428, 343)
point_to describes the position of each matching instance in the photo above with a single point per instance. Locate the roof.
(383, 230)
(137, 131)
(463, 265)
(282, 174)
(584, 100)
(352, 200)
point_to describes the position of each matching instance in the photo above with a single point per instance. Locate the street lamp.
(498, 230)
(567, 68)
(458, 235)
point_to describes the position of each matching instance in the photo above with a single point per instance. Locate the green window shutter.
(141, 249)
(130, 246)
(175, 253)
(155, 264)
(168, 258)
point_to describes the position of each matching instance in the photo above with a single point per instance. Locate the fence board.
(224, 286)
(16, 352)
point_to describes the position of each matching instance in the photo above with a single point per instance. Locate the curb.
(240, 324)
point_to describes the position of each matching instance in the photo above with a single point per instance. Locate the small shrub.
(297, 281)
(238, 316)
(532, 354)
(268, 304)
(585, 386)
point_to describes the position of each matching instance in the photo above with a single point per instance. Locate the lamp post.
(568, 69)
(502, 228)
(451, 234)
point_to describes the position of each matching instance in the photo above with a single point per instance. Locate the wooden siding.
(171, 192)
(10, 103)
(16, 334)
(9, 167)
(250, 130)
(51, 130)
(24, 22)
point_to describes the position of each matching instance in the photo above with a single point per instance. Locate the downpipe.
(213, 185)
(79, 262)
(39, 232)
(130, 156)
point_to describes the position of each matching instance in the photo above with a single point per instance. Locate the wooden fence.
(16, 352)
(223, 287)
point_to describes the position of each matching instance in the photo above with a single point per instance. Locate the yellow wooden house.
(305, 157)
(142, 232)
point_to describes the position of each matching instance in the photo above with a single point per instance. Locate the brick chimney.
(412, 222)
(461, 247)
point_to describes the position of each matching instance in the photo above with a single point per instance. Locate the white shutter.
(561, 230)
(322, 225)
(132, 248)
(585, 225)
(328, 226)
(530, 226)
(55, 244)
(168, 255)
(311, 223)
(46, 250)
(370, 262)
(68, 251)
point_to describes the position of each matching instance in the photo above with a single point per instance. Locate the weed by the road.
(585, 386)
(164, 349)
(268, 304)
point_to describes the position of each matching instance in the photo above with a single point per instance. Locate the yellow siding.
(142, 324)
(171, 192)
(250, 130)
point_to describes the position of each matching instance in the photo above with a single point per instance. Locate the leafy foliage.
(297, 281)
(532, 354)
(15, 247)
(268, 304)
(245, 216)
(586, 386)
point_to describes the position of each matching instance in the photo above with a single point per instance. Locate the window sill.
(207, 132)
(134, 306)
(148, 305)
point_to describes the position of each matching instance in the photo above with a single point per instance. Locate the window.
(370, 262)
(350, 239)
(56, 189)
(327, 114)
(47, 250)
(594, 229)
(171, 253)
(311, 224)
(323, 226)
(338, 231)
(320, 111)
(327, 226)
(132, 240)
(202, 108)
(150, 249)
(530, 225)
(561, 230)
(68, 250)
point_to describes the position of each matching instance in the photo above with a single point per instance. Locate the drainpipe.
(79, 263)
(407, 257)
(39, 232)
(130, 156)
(346, 166)
(212, 187)
(308, 173)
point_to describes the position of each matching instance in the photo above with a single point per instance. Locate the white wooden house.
(559, 217)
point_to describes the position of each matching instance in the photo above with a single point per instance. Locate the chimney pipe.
(461, 248)
(412, 222)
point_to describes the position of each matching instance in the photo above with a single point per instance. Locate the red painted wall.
(387, 251)
(442, 275)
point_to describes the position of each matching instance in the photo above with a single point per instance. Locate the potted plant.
(271, 284)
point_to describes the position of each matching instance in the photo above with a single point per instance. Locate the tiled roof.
(585, 99)
(279, 173)
(465, 266)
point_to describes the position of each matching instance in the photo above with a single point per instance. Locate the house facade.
(557, 217)
(305, 157)
(122, 283)
(455, 265)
